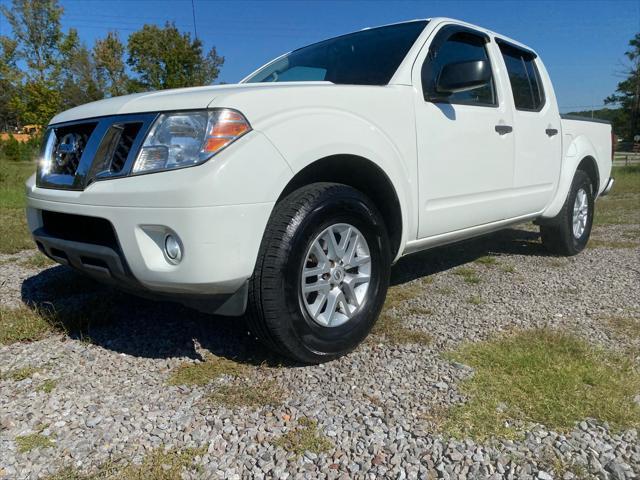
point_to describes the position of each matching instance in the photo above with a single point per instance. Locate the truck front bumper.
(126, 247)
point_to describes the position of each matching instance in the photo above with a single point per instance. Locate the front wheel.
(569, 231)
(322, 273)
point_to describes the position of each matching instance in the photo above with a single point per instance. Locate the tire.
(558, 235)
(278, 313)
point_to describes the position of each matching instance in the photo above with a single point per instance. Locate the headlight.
(184, 139)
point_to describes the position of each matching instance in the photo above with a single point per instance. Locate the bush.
(15, 151)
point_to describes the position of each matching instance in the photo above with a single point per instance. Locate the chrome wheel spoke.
(336, 275)
(580, 213)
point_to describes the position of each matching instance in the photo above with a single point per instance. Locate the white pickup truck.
(290, 195)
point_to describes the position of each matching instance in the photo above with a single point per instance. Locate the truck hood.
(167, 100)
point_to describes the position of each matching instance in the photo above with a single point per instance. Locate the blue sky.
(581, 42)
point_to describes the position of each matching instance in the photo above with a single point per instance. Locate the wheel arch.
(580, 155)
(363, 175)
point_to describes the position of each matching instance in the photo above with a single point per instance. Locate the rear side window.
(524, 77)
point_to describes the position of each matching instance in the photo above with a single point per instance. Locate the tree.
(108, 54)
(80, 82)
(35, 25)
(627, 94)
(10, 77)
(36, 28)
(165, 58)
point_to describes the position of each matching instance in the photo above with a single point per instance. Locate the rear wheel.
(568, 233)
(322, 273)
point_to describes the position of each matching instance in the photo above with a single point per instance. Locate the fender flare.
(579, 150)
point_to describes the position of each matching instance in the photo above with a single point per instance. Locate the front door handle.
(551, 131)
(504, 129)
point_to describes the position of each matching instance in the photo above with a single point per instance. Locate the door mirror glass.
(463, 76)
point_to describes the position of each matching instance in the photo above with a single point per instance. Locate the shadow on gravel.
(87, 310)
(505, 242)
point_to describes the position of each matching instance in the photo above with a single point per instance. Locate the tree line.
(44, 70)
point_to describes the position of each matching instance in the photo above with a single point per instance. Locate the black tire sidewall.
(580, 181)
(344, 205)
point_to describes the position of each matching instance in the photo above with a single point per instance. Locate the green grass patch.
(469, 275)
(390, 325)
(508, 268)
(304, 438)
(37, 260)
(19, 374)
(204, 372)
(622, 205)
(487, 261)
(13, 224)
(28, 324)
(47, 386)
(160, 464)
(255, 395)
(26, 443)
(475, 300)
(541, 376)
(23, 324)
(626, 325)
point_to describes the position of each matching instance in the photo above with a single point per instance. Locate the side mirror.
(461, 76)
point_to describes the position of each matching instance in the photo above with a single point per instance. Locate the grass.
(160, 464)
(29, 324)
(13, 225)
(202, 373)
(38, 261)
(541, 376)
(23, 324)
(475, 300)
(487, 261)
(304, 438)
(26, 443)
(621, 205)
(19, 374)
(626, 325)
(263, 393)
(48, 386)
(508, 268)
(613, 244)
(469, 275)
(390, 325)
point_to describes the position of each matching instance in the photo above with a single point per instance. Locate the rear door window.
(526, 85)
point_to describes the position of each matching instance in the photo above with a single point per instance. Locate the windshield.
(368, 57)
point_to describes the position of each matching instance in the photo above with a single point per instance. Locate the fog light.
(172, 248)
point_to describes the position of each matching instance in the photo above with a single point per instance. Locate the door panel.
(538, 140)
(465, 165)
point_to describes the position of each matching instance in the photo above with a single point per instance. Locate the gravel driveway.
(376, 406)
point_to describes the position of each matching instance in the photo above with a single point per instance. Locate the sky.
(582, 43)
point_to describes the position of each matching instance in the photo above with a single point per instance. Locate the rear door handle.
(504, 129)
(551, 131)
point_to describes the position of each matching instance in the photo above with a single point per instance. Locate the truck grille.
(79, 153)
(70, 143)
(123, 147)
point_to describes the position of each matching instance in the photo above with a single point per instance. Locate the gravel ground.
(376, 405)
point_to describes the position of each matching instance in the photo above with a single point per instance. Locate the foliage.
(26, 443)
(44, 71)
(165, 58)
(15, 151)
(108, 54)
(627, 94)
